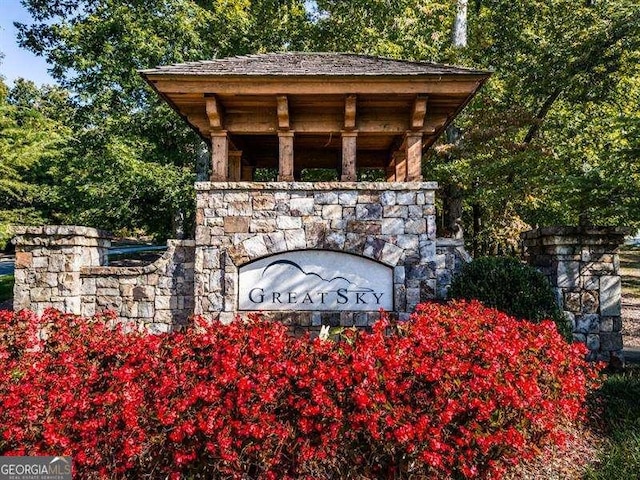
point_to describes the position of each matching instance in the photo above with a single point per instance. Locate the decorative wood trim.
(283, 112)
(418, 112)
(350, 112)
(214, 112)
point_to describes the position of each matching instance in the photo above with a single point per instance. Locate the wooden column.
(349, 140)
(285, 141)
(219, 156)
(235, 159)
(349, 143)
(400, 163)
(285, 157)
(414, 157)
(247, 173)
(219, 141)
(390, 171)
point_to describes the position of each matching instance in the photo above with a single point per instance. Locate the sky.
(18, 62)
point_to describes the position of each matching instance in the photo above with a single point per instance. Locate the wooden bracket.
(214, 112)
(350, 112)
(418, 112)
(283, 112)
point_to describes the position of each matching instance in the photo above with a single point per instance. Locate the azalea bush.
(459, 391)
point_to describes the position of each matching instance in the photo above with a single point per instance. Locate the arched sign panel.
(315, 280)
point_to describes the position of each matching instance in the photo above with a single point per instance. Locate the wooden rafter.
(283, 112)
(418, 112)
(350, 112)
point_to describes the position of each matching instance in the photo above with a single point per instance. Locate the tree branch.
(540, 116)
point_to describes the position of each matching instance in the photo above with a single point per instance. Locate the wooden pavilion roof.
(317, 97)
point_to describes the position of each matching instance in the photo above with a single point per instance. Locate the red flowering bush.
(460, 391)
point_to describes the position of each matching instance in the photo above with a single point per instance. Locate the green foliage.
(508, 285)
(6, 287)
(29, 140)
(552, 138)
(621, 457)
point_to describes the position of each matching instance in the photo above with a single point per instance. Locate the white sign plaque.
(315, 280)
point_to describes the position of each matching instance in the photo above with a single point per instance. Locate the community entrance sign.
(313, 280)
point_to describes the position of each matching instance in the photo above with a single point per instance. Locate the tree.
(548, 140)
(131, 149)
(29, 140)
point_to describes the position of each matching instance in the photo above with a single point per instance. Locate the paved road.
(7, 262)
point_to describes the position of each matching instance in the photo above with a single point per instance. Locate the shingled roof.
(312, 64)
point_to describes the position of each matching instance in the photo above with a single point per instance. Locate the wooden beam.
(418, 112)
(285, 156)
(219, 156)
(350, 112)
(414, 157)
(349, 140)
(235, 163)
(262, 122)
(283, 112)
(316, 85)
(214, 113)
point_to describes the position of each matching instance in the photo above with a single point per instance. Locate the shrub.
(510, 286)
(459, 391)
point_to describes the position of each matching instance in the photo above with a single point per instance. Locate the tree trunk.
(460, 25)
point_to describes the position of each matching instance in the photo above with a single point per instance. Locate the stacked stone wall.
(583, 267)
(49, 260)
(158, 296)
(237, 222)
(450, 257)
(65, 267)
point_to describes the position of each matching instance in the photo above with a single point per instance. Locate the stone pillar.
(48, 263)
(583, 267)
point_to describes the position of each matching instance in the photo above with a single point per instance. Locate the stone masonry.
(65, 267)
(583, 267)
(237, 222)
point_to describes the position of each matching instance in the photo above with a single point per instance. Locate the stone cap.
(315, 186)
(62, 230)
(61, 235)
(310, 64)
(571, 235)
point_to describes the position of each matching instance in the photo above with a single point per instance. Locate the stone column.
(583, 267)
(48, 263)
